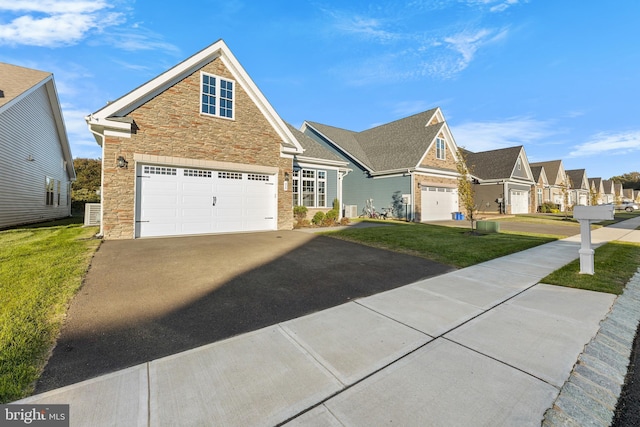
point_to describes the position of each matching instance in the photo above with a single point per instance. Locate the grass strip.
(614, 265)
(448, 245)
(41, 269)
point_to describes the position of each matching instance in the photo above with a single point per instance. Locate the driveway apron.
(149, 298)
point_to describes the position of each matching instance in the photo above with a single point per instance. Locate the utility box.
(488, 226)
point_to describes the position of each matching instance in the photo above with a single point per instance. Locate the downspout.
(504, 196)
(101, 137)
(341, 176)
(413, 196)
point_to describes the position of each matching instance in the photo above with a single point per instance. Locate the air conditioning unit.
(351, 211)
(92, 213)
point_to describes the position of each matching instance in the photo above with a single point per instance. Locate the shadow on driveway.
(149, 298)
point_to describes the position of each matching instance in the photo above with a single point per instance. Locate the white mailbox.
(598, 213)
(585, 216)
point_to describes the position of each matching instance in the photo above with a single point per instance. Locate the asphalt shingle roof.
(551, 168)
(392, 146)
(15, 80)
(311, 147)
(493, 164)
(575, 177)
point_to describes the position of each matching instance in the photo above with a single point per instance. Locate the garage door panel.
(181, 201)
(437, 203)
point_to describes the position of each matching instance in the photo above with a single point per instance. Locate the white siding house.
(36, 166)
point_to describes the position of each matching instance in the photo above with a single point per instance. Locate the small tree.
(565, 196)
(466, 192)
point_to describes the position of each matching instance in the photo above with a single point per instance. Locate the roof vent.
(1, 94)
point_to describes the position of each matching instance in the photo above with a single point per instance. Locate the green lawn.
(614, 264)
(448, 245)
(41, 268)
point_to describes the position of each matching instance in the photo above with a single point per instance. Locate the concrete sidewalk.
(485, 345)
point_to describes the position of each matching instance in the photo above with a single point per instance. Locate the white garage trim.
(206, 164)
(438, 203)
(174, 201)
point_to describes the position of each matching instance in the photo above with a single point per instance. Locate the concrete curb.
(590, 395)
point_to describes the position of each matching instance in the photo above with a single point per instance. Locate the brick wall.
(170, 124)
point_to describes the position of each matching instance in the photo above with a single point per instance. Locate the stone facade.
(170, 124)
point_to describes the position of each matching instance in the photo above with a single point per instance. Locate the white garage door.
(173, 201)
(438, 203)
(519, 202)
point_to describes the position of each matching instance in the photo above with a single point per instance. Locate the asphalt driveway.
(149, 298)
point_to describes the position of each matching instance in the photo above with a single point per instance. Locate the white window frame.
(49, 190)
(319, 183)
(219, 97)
(441, 149)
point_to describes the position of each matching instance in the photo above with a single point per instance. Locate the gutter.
(100, 140)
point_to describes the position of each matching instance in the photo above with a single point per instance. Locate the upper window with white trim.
(440, 148)
(217, 96)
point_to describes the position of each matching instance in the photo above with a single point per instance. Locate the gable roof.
(16, 83)
(109, 119)
(537, 172)
(313, 150)
(576, 178)
(493, 164)
(595, 182)
(397, 145)
(552, 169)
(608, 185)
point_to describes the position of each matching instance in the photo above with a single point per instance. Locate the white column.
(586, 251)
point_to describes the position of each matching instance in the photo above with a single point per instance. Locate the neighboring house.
(317, 176)
(538, 190)
(628, 195)
(618, 194)
(408, 165)
(35, 158)
(579, 187)
(196, 150)
(609, 191)
(504, 180)
(558, 190)
(596, 191)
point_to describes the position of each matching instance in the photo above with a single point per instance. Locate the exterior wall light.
(286, 181)
(122, 162)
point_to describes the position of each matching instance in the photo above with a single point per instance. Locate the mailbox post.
(585, 216)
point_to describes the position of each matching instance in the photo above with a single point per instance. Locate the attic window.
(519, 163)
(217, 96)
(440, 149)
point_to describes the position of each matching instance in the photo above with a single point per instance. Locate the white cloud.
(617, 143)
(362, 26)
(494, 5)
(483, 136)
(50, 23)
(468, 43)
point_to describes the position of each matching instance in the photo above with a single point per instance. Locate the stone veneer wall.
(170, 124)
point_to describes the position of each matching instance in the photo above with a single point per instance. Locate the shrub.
(332, 215)
(300, 213)
(345, 221)
(336, 205)
(318, 218)
(548, 207)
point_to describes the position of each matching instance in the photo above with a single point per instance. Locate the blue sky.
(559, 77)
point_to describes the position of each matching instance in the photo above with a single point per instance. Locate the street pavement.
(484, 345)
